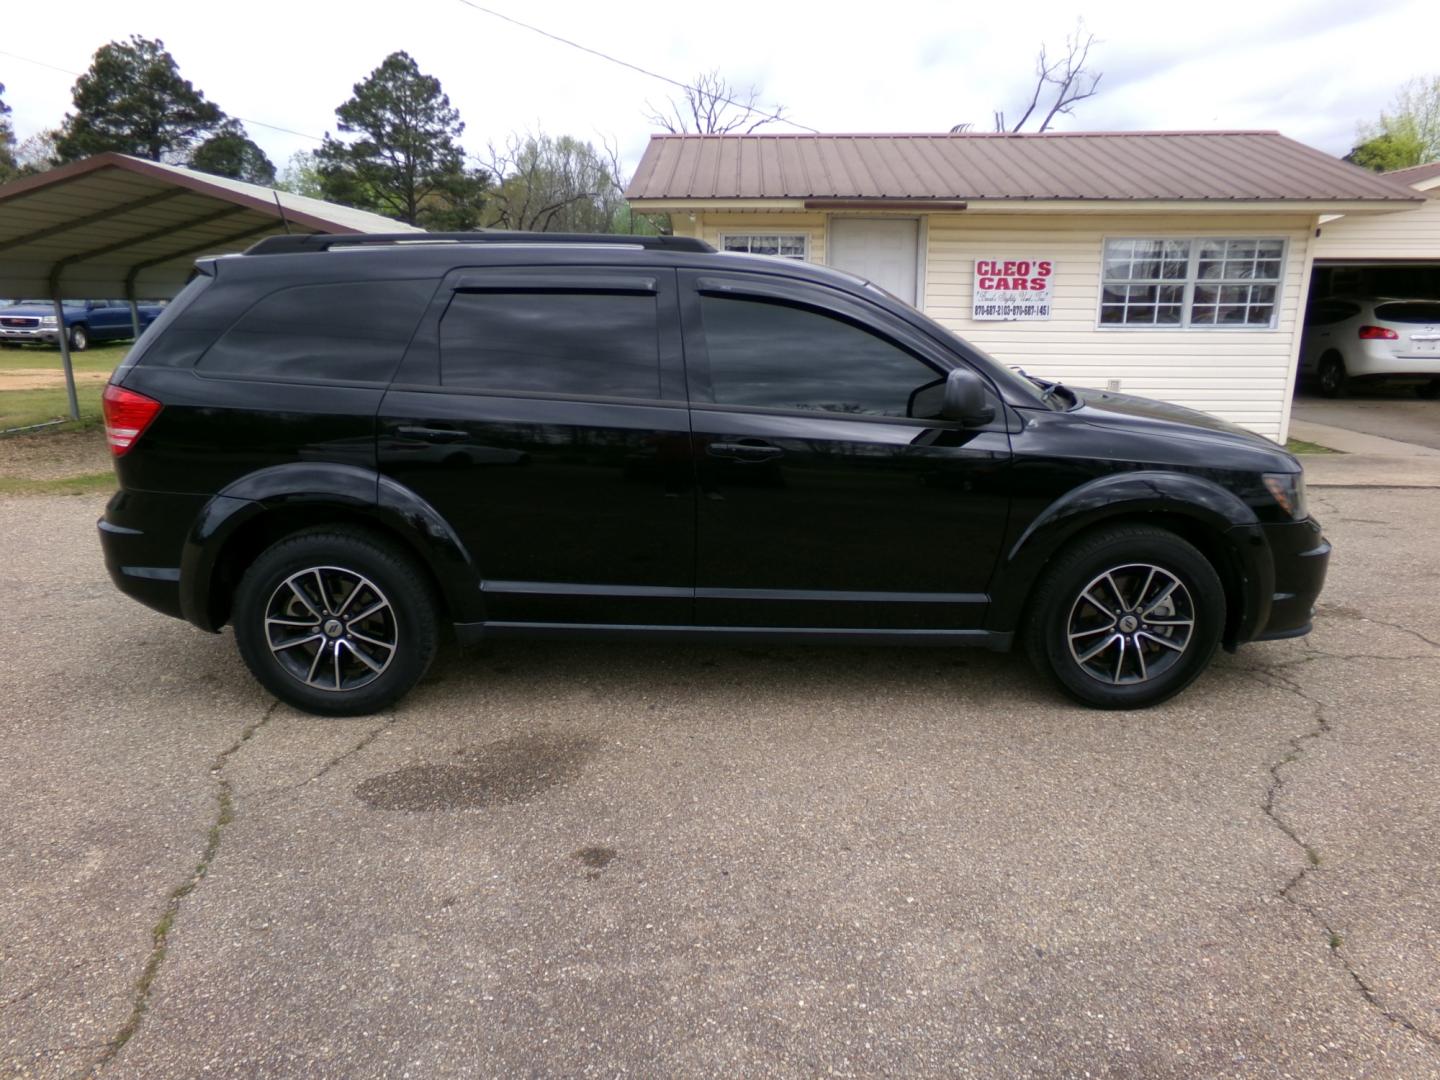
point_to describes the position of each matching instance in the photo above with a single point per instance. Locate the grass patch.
(103, 357)
(1300, 446)
(85, 484)
(22, 408)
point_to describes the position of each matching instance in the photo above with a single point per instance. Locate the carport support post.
(64, 336)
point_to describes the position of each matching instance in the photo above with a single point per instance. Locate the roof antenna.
(279, 207)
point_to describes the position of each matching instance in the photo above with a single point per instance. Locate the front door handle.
(430, 434)
(746, 450)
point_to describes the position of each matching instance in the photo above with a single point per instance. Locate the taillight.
(127, 415)
(1378, 333)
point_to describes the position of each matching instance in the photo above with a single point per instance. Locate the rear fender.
(304, 494)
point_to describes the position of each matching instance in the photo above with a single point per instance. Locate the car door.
(829, 497)
(542, 413)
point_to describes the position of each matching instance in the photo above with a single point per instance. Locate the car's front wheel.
(79, 339)
(1126, 617)
(336, 622)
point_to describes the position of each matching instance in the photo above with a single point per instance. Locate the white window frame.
(751, 234)
(1187, 303)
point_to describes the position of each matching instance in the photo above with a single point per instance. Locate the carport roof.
(1204, 167)
(112, 223)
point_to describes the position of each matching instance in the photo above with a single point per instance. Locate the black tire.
(1332, 377)
(324, 673)
(1429, 391)
(1061, 612)
(79, 338)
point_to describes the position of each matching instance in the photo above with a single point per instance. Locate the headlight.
(1288, 490)
(47, 320)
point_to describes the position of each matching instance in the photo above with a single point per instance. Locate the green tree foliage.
(1407, 134)
(404, 157)
(556, 184)
(229, 152)
(302, 176)
(133, 100)
(8, 165)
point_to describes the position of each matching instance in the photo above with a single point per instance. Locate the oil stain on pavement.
(508, 771)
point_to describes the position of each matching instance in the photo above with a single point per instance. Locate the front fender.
(1230, 528)
(308, 492)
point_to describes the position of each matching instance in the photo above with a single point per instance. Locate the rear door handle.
(430, 434)
(751, 450)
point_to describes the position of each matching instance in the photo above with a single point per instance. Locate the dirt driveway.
(700, 861)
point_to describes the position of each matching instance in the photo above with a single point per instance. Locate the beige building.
(1174, 265)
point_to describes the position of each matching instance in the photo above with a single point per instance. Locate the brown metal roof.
(1203, 166)
(112, 223)
(1416, 174)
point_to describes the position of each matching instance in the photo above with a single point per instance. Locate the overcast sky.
(1312, 70)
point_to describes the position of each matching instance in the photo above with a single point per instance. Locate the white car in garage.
(1350, 339)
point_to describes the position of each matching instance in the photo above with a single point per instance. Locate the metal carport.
(119, 226)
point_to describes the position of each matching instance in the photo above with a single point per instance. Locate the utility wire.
(626, 64)
(242, 119)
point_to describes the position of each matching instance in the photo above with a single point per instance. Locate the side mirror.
(965, 398)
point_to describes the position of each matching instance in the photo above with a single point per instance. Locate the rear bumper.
(141, 535)
(1300, 554)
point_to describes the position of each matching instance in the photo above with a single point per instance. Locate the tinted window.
(599, 343)
(352, 332)
(1326, 312)
(1415, 311)
(784, 357)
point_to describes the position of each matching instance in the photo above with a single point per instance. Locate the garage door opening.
(1371, 329)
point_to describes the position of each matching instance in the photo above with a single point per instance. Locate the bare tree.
(554, 184)
(1061, 83)
(711, 106)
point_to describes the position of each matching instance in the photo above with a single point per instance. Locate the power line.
(633, 67)
(242, 119)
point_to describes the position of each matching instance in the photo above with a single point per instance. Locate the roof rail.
(309, 242)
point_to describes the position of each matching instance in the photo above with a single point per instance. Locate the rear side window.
(350, 332)
(604, 344)
(1418, 311)
(1327, 312)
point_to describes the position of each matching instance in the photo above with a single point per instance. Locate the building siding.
(1412, 234)
(1244, 376)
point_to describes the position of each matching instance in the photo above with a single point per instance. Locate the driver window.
(780, 356)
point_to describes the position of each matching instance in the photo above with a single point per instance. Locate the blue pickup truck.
(24, 321)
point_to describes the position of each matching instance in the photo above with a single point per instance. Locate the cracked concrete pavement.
(662, 860)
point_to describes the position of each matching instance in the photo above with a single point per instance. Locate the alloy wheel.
(1131, 624)
(331, 628)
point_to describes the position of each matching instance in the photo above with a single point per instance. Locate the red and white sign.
(1013, 288)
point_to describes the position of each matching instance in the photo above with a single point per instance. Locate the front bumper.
(20, 335)
(1300, 554)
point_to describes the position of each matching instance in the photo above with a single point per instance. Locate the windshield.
(46, 303)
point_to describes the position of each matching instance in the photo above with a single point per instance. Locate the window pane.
(784, 357)
(1202, 315)
(1260, 314)
(552, 342)
(1112, 314)
(352, 332)
(1169, 314)
(788, 246)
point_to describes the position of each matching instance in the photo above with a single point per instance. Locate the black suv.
(341, 444)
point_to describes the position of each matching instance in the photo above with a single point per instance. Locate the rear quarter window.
(339, 332)
(1414, 311)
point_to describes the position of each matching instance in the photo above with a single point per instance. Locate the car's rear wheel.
(1332, 375)
(1126, 617)
(79, 339)
(1430, 390)
(336, 622)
